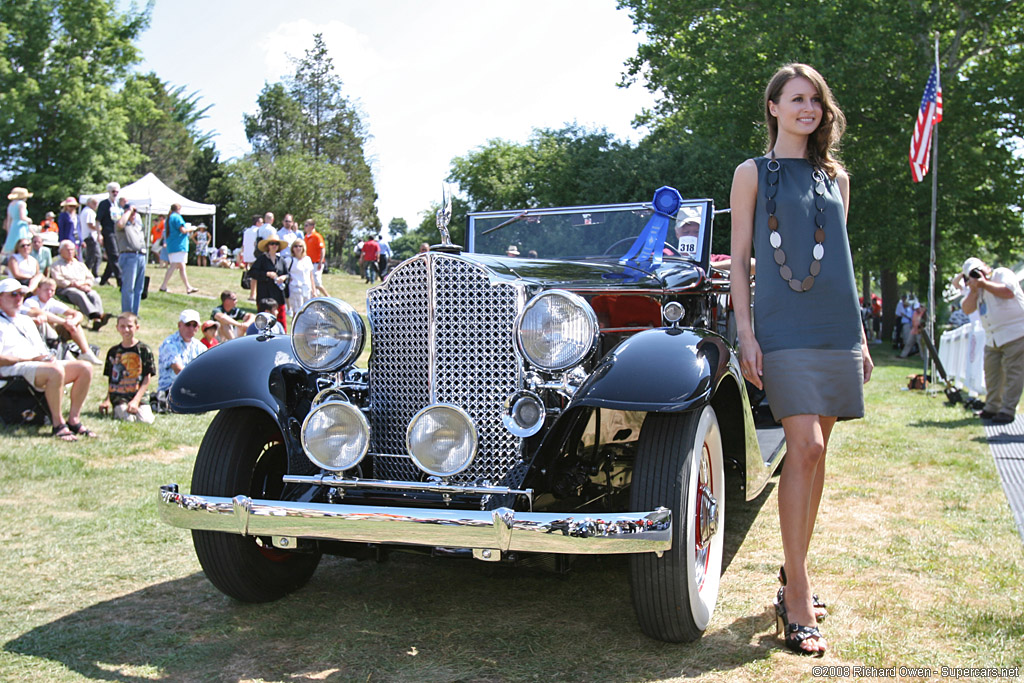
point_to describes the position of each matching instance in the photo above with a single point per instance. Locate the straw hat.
(19, 193)
(70, 201)
(273, 239)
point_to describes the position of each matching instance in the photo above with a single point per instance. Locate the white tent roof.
(149, 195)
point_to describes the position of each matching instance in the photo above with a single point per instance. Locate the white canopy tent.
(150, 196)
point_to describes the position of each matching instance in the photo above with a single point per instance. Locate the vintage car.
(576, 398)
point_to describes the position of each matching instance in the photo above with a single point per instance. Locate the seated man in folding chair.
(23, 353)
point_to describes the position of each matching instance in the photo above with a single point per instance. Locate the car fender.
(248, 371)
(659, 370)
(680, 369)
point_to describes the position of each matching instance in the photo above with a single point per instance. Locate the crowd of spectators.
(43, 337)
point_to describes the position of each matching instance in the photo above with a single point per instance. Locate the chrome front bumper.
(502, 529)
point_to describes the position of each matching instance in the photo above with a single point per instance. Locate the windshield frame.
(510, 217)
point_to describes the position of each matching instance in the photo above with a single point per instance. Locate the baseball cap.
(9, 284)
(970, 264)
(189, 316)
(208, 324)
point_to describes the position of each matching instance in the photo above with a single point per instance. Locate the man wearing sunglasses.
(23, 354)
(177, 351)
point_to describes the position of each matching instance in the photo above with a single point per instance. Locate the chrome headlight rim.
(351, 409)
(589, 344)
(471, 431)
(349, 317)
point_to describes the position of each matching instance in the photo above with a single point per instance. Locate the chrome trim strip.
(351, 482)
(432, 326)
(502, 529)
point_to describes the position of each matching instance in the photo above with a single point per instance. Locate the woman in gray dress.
(805, 345)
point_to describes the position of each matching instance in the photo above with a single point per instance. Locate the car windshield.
(579, 233)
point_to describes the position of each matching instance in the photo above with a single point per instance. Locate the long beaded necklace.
(775, 239)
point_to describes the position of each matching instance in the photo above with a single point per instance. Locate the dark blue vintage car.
(561, 386)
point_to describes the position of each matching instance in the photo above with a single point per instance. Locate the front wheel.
(679, 466)
(242, 453)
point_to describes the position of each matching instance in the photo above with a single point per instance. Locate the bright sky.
(434, 78)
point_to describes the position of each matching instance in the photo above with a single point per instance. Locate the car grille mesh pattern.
(474, 365)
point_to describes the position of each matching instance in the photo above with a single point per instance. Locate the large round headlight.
(441, 440)
(335, 435)
(556, 330)
(327, 335)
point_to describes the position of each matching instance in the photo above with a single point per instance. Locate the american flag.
(929, 114)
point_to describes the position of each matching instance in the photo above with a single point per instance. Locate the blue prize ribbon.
(646, 251)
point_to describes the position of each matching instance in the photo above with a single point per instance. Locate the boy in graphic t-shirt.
(129, 366)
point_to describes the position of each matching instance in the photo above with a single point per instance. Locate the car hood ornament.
(444, 217)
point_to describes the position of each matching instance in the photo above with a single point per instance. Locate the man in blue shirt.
(178, 350)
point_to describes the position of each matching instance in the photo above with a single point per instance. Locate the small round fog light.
(264, 322)
(524, 413)
(335, 435)
(672, 312)
(442, 440)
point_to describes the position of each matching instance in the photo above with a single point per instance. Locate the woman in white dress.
(300, 277)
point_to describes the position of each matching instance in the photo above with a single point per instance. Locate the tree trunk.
(890, 295)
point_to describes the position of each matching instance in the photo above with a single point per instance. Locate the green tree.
(276, 128)
(62, 129)
(397, 227)
(710, 63)
(308, 155)
(163, 125)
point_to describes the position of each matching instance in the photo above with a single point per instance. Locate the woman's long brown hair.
(823, 143)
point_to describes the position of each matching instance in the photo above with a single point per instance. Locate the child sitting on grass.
(209, 339)
(129, 366)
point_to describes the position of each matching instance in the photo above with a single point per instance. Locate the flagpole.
(930, 320)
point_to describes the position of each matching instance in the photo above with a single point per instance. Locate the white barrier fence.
(962, 354)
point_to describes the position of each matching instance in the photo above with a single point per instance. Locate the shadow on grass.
(411, 618)
(965, 421)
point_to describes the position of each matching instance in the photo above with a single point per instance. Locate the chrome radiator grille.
(442, 333)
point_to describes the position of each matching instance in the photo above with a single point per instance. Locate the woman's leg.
(826, 424)
(184, 276)
(167, 276)
(805, 452)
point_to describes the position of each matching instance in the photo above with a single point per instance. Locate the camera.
(975, 273)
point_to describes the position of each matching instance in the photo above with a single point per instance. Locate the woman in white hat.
(17, 221)
(270, 272)
(67, 222)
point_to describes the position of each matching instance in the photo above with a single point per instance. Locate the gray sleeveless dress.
(810, 340)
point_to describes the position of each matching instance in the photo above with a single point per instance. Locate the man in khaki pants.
(999, 300)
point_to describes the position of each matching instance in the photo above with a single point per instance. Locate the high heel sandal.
(820, 608)
(795, 634)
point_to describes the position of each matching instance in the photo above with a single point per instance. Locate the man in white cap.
(178, 350)
(23, 354)
(998, 298)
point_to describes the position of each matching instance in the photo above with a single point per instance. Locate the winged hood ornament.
(444, 217)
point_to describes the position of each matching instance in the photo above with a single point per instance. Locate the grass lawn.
(915, 551)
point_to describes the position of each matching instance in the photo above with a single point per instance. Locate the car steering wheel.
(611, 250)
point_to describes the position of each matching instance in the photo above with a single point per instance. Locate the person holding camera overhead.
(809, 352)
(999, 300)
(131, 256)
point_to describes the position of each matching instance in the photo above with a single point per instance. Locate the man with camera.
(999, 300)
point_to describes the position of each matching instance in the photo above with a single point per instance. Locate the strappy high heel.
(795, 634)
(819, 605)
